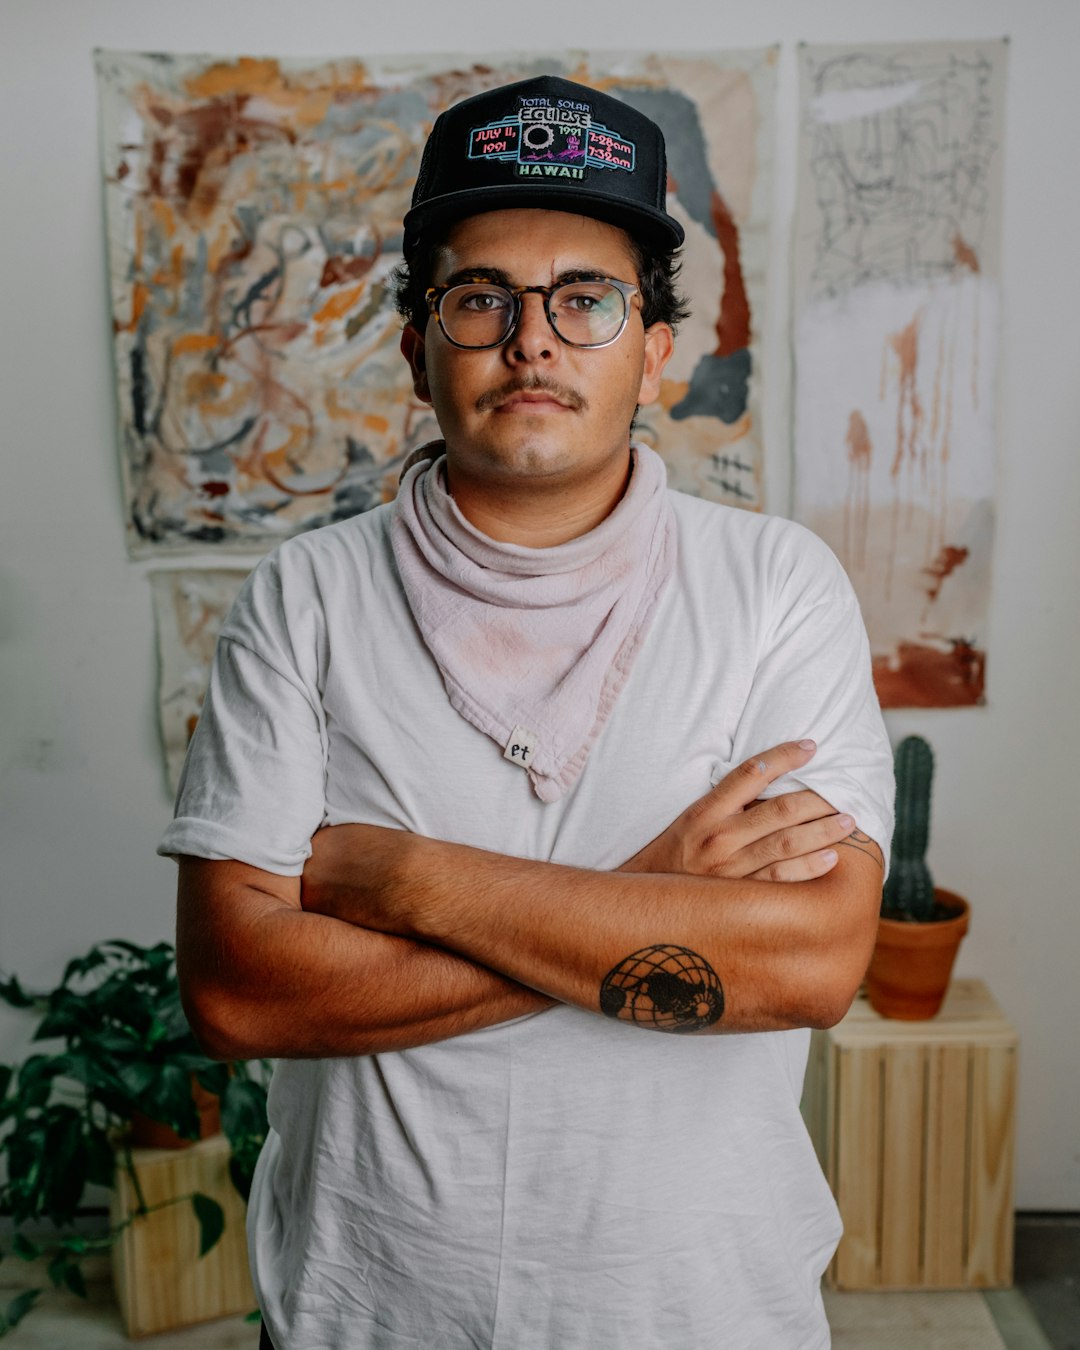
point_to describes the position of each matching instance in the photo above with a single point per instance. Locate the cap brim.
(645, 223)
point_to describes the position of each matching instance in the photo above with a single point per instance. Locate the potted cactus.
(921, 925)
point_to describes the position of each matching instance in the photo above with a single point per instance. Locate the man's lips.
(523, 400)
(534, 397)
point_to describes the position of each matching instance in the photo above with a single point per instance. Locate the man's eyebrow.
(480, 272)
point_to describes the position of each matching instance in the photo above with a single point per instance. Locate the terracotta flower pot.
(147, 1133)
(912, 962)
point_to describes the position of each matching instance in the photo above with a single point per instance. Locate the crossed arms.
(744, 915)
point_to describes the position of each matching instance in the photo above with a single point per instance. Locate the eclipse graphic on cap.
(552, 138)
(551, 135)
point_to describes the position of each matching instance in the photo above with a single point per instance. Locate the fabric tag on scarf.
(521, 746)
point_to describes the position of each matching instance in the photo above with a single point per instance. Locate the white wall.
(83, 794)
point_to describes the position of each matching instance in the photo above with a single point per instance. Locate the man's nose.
(532, 339)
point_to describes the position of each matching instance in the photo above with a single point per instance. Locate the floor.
(1047, 1269)
(1041, 1313)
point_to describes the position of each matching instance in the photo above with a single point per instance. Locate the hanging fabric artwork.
(897, 269)
(190, 606)
(254, 212)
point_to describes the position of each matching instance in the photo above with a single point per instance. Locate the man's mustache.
(537, 383)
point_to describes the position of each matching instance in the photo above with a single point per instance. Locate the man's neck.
(538, 512)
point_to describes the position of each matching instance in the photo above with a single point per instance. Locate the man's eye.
(584, 299)
(484, 302)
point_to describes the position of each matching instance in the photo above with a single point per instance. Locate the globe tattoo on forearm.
(664, 987)
(863, 842)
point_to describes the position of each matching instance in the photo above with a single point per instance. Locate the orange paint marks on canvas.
(339, 305)
(909, 411)
(935, 402)
(904, 347)
(920, 676)
(171, 277)
(303, 189)
(964, 255)
(307, 108)
(276, 464)
(247, 75)
(229, 405)
(860, 450)
(140, 297)
(857, 503)
(163, 216)
(195, 342)
(338, 269)
(949, 558)
(221, 247)
(204, 387)
(672, 392)
(335, 409)
(733, 325)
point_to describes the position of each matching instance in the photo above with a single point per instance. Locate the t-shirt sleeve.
(813, 678)
(253, 783)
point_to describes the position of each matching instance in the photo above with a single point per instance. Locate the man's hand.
(731, 833)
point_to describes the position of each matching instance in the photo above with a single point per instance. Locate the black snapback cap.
(549, 143)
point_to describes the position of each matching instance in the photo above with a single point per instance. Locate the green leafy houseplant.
(124, 1047)
(921, 925)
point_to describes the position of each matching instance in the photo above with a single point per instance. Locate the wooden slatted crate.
(913, 1123)
(161, 1281)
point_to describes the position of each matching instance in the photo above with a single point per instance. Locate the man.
(497, 787)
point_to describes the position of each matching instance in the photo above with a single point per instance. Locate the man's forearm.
(671, 951)
(262, 978)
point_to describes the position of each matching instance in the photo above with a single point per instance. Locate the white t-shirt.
(562, 1181)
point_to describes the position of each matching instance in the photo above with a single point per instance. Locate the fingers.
(769, 831)
(732, 831)
(745, 783)
(788, 808)
(804, 868)
(792, 842)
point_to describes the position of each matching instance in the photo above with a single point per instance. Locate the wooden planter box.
(161, 1281)
(913, 1123)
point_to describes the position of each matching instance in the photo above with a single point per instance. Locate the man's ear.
(412, 349)
(659, 346)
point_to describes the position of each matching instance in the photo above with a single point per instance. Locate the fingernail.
(807, 745)
(829, 856)
(846, 822)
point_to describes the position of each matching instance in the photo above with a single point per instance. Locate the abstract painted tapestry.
(254, 212)
(189, 609)
(896, 334)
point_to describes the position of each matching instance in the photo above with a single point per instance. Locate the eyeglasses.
(591, 312)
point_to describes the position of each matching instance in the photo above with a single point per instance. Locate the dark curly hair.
(658, 275)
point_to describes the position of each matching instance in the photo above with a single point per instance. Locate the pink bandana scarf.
(534, 644)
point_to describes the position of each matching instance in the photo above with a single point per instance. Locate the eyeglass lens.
(583, 313)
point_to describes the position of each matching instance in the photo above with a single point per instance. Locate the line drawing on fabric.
(897, 297)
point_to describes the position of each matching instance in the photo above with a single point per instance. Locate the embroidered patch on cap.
(552, 138)
(521, 746)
